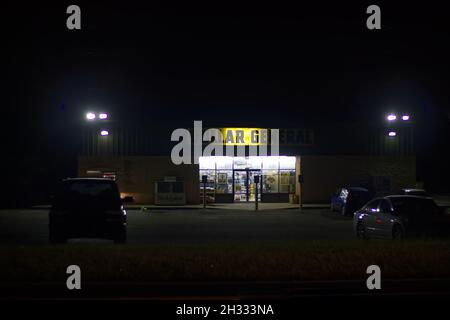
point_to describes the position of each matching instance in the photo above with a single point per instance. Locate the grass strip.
(301, 260)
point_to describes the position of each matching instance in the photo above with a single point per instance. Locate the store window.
(224, 183)
(223, 163)
(287, 162)
(287, 181)
(211, 177)
(270, 163)
(244, 163)
(270, 181)
(225, 173)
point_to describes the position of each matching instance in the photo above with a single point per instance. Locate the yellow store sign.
(244, 136)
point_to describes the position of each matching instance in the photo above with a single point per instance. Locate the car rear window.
(417, 193)
(360, 195)
(412, 207)
(87, 194)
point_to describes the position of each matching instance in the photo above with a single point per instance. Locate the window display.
(287, 181)
(234, 175)
(224, 182)
(270, 181)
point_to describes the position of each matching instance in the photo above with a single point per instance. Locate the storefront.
(323, 161)
(232, 179)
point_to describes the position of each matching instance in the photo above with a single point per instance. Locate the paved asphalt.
(200, 226)
(194, 226)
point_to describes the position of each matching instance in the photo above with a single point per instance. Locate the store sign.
(233, 140)
(244, 136)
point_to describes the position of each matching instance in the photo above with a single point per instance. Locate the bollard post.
(300, 200)
(256, 181)
(204, 181)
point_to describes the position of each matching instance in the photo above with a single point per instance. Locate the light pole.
(98, 139)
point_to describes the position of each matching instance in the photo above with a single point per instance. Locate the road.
(194, 226)
(229, 290)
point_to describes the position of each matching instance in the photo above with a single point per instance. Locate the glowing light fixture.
(405, 117)
(392, 133)
(104, 132)
(391, 117)
(90, 116)
(103, 116)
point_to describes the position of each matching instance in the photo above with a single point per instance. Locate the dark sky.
(264, 64)
(223, 63)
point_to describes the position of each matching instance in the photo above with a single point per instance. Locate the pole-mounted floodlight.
(90, 116)
(104, 133)
(391, 117)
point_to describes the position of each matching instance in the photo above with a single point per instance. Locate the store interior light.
(259, 162)
(104, 132)
(391, 117)
(90, 116)
(392, 133)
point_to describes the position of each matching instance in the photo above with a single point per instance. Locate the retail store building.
(325, 157)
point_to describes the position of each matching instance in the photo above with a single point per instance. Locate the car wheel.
(361, 231)
(397, 232)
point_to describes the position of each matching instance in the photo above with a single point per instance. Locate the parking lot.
(195, 225)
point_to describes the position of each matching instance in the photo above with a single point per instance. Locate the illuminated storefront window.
(234, 176)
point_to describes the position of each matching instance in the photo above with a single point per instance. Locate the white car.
(399, 216)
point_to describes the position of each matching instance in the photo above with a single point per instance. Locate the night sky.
(269, 64)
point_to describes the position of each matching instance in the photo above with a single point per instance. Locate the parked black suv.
(87, 208)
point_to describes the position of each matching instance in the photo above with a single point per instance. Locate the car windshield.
(87, 194)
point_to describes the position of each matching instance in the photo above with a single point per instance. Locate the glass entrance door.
(252, 186)
(244, 186)
(240, 185)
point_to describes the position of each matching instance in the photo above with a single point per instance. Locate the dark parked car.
(349, 199)
(399, 216)
(87, 208)
(415, 192)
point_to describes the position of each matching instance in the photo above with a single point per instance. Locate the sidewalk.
(213, 206)
(231, 206)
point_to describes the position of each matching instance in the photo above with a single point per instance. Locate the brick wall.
(136, 175)
(323, 174)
